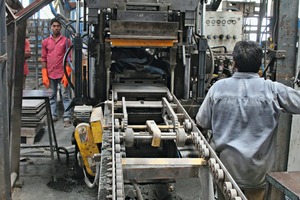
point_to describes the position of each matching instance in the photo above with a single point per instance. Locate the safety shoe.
(67, 123)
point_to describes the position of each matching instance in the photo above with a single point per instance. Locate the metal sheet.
(161, 168)
(153, 16)
(143, 30)
(286, 182)
(173, 4)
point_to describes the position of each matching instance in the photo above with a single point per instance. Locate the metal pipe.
(149, 137)
(172, 79)
(202, 47)
(187, 78)
(262, 13)
(138, 190)
(78, 17)
(145, 126)
(203, 18)
(146, 135)
(187, 64)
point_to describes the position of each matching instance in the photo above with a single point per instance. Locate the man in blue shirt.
(243, 112)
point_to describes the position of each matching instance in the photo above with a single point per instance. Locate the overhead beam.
(23, 14)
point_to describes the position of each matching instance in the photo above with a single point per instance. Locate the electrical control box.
(223, 29)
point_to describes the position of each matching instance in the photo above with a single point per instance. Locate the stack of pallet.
(33, 119)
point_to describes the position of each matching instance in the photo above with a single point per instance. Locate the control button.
(234, 37)
(209, 37)
(221, 37)
(228, 37)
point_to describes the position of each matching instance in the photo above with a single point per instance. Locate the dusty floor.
(36, 180)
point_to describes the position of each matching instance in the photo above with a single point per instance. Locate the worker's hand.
(64, 80)
(45, 78)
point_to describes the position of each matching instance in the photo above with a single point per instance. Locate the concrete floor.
(36, 180)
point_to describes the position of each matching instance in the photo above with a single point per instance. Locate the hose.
(138, 190)
(65, 67)
(86, 179)
(221, 46)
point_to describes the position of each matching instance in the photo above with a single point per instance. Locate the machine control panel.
(223, 28)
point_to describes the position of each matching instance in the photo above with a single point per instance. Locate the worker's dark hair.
(247, 56)
(55, 20)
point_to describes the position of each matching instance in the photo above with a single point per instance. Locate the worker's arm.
(27, 53)
(288, 98)
(44, 65)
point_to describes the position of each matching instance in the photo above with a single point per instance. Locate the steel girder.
(11, 73)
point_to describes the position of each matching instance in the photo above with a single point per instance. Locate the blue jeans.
(66, 97)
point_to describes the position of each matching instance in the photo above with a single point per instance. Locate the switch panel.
(223, 28)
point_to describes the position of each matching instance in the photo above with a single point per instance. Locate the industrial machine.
(141, 69)
(148, 71)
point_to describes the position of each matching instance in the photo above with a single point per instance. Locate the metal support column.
(16, 30)
(202, 47)
(5, 192)
(294, 159)
(15, 36)
(285, 72)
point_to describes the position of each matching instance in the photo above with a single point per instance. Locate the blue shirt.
(242, 112)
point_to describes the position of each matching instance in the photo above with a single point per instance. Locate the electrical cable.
(86, 179)
(138, 190)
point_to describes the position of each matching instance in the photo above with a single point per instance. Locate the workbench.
(45, 95)
(287, 182)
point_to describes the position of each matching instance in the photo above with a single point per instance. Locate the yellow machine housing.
(87, 137)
